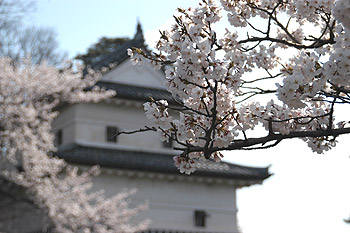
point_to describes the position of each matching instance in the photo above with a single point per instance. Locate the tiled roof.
(128, 91)
(153, 162)
(120, 54)
(136, 92)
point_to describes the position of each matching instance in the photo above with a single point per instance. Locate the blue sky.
(79, 23)
(307, 193)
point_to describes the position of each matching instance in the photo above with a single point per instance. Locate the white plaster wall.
(127, 73)
(65, 122)
(91, 121)
(172, 203)
(86, 123)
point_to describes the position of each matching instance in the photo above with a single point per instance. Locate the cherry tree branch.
(297, 46)
(249, 142)
(318, 42)
(145, 129)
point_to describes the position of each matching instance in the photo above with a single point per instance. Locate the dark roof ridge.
(155, 162)
(120, 54)
(140, 93)
(131, 85)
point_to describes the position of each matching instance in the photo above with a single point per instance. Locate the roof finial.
(139, 33)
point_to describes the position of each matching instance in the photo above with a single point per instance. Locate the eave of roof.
(139, 93)
(153, 162)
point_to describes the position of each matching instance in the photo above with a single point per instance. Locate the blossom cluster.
(188, 164)
(210, 74)
(341, 12)
(303, 80)
(28, 96)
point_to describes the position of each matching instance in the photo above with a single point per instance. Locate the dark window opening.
(111, 134)
(58, 138)
(169, 143)
(199, 218)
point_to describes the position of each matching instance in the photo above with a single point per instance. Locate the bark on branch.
(275, 137)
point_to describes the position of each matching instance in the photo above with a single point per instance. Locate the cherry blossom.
(341, 12)
(29, 95)
(219, 79)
